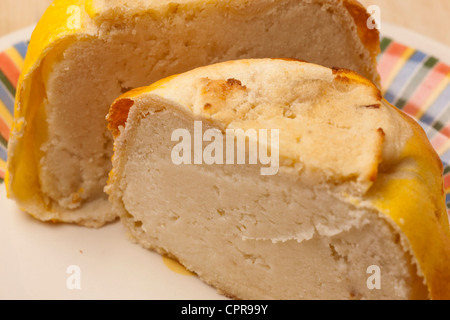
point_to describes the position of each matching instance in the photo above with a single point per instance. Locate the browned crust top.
(369, 37)
(118, 115)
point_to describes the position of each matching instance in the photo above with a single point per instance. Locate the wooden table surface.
(428, 17)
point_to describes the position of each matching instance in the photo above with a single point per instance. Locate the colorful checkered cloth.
(413, 81)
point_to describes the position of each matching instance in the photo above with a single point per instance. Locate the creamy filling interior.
(254, 237)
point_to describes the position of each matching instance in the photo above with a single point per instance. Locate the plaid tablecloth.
(413, 81)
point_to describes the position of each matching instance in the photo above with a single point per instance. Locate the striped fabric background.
(413, 81)
(419, 84)
(11, 62)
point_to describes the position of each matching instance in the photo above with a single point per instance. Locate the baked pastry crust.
(393, 170)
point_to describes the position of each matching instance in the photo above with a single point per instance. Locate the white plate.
(38, 259)
(35, 256)
(17, 36)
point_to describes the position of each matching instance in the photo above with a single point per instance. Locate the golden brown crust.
(369, 37)
(348, 76)
(381, 137)
(222, 88)
(118, 115)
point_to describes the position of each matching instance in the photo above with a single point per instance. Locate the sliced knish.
(359, 189)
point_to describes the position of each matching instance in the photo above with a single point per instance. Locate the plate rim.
(416, 41)
(11, 39)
